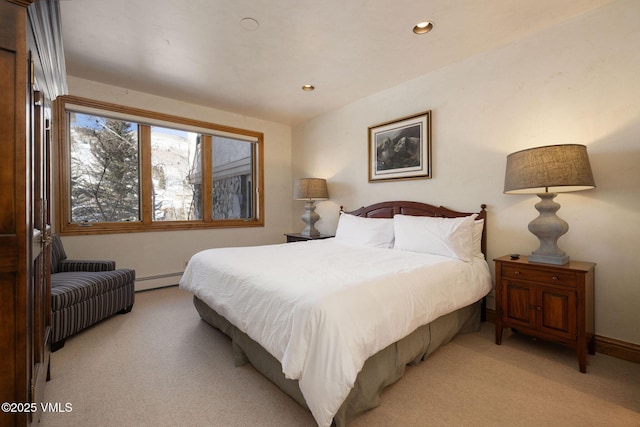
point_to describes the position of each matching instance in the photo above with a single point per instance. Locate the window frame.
(145, 120)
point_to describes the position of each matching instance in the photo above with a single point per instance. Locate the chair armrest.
(86, 265)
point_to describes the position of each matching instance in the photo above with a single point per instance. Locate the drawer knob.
(555, 277)
(516, 272)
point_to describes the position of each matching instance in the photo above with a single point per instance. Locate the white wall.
(164, 253)
(576, 82)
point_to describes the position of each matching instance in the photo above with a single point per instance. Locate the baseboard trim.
(159, 276)
(491, 315)
(619, 349)
(609, 346)
(159, 287)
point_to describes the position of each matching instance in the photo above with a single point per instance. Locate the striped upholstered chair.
(85, 292)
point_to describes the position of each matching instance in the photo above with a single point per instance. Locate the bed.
(332, 322)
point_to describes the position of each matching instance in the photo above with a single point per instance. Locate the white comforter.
(322, 308)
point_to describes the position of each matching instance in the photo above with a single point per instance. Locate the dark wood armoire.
(32, 74)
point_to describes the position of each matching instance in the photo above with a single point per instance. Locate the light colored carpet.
(160, 365)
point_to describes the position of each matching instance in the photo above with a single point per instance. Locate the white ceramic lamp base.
(310, 217)
(548, 228)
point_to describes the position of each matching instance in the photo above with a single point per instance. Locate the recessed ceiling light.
(249, 24)
(308, 88)
(423, 27)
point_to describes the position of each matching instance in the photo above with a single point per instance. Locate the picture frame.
(401, 149)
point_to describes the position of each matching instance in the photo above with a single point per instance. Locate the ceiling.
(199, 51)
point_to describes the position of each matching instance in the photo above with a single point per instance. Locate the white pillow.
(361, 231)
(450, 237)
(478, 225)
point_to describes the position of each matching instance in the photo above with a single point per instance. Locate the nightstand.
(297, 237)
(551, 302)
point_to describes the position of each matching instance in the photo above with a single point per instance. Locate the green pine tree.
(105, 185)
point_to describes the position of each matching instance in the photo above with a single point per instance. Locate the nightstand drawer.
(538, 275)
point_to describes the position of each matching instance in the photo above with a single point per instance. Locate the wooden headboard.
(389, 209)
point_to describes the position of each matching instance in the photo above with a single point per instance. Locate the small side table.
(297, 237)
(551, 302)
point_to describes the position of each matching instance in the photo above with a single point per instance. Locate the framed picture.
(401, 149)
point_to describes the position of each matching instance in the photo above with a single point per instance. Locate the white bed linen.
(322, 308)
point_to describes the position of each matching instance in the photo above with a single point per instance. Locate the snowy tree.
(104, 168)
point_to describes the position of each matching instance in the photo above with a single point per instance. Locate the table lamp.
(310, 189)
(546, 171)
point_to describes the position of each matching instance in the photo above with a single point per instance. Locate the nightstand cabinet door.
(518, 304)
(552, 302)
(528, 306)
(557, 312)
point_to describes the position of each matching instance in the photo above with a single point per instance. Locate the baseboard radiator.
(158, 281)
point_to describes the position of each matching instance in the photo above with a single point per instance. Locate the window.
(174, 154)
(104, 169)
(232, 178)
(128, 170)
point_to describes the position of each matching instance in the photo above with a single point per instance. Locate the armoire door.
(31, 76)
(40, 275)
(14, 260)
